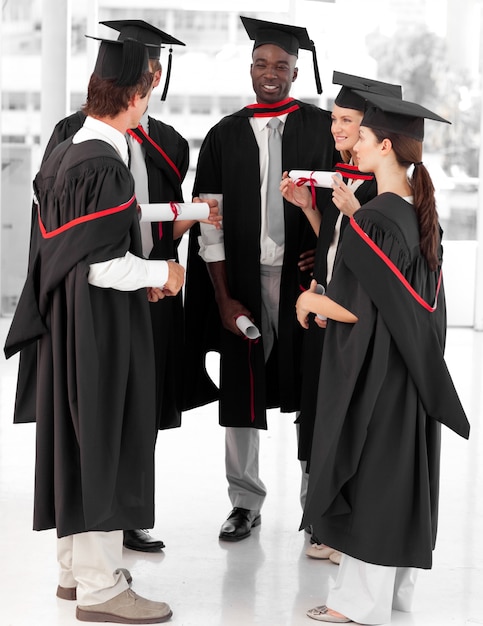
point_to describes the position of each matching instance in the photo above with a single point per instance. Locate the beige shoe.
(319, 551)
(70, 593)
(125, 608)
(335, 557)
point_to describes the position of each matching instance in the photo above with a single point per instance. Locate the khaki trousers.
(89, 562)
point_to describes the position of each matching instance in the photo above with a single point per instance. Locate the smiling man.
(253, 266)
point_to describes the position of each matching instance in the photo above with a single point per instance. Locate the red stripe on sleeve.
(81, 220)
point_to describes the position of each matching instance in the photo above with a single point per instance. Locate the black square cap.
(121, 61)
(397, 116)
(348, 99)
(289, 38)
(143, 32)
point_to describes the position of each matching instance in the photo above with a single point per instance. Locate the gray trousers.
(242, 445)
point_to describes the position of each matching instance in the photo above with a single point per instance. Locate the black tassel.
(168, 75)
(316, 70)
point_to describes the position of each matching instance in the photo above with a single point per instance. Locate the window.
(14, 101)
(200, 105)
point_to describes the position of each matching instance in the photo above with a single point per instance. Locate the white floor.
(266, 579)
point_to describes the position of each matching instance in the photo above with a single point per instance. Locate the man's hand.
(154, 294)
(230, 310)
(214, 218)
(307, 261)
(175, 279)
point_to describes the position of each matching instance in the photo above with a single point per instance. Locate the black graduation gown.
(64, 129)
(229, 164)
(384, 390)
(27, 372)
(94, 398)
(314, 336)
(167, 160)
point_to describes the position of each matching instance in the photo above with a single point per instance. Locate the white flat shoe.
(335, 557)
(319, 551)
(321, 614)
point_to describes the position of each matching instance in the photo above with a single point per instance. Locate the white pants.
(89, 562)
(367, 593)
(242, 445)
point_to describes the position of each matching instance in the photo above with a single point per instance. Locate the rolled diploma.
(164, 213)
(321, 179)
(320, 289)
(247, 327)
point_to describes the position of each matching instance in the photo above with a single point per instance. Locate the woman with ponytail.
(408, 152)
(384, 388)
(329, 224)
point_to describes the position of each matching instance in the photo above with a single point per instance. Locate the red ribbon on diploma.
(302, 181)
(174, 206)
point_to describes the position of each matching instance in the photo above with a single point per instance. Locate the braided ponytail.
(425, 205)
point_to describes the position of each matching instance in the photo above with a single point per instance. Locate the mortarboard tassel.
(316, 70)
(168, 75)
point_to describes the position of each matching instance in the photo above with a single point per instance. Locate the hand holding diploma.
(303, 197)
(214, 218)
(312, 302)
(304, 306)
(295, 194)
(344, 199)
(247, 327)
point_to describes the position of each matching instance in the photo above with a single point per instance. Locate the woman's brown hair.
(409, 151)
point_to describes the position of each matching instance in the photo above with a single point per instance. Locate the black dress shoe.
(141, 540)
(239, 524)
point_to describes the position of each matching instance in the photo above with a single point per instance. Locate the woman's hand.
(302, 305)
(344, 198)
(312, 302)
(299, 196)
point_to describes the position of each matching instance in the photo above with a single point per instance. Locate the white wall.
(459, 275)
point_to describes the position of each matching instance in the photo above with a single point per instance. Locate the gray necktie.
(276, 226)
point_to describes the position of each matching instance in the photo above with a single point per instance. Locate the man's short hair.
(106, 99)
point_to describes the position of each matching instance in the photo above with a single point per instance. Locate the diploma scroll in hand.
(247, 327)
(318, 179)
(171, 211)
(320, 289)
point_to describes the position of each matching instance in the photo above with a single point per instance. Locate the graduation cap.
(121, 61)
(151, 36)
(289, 38)
(396, 115)
(348, 99)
